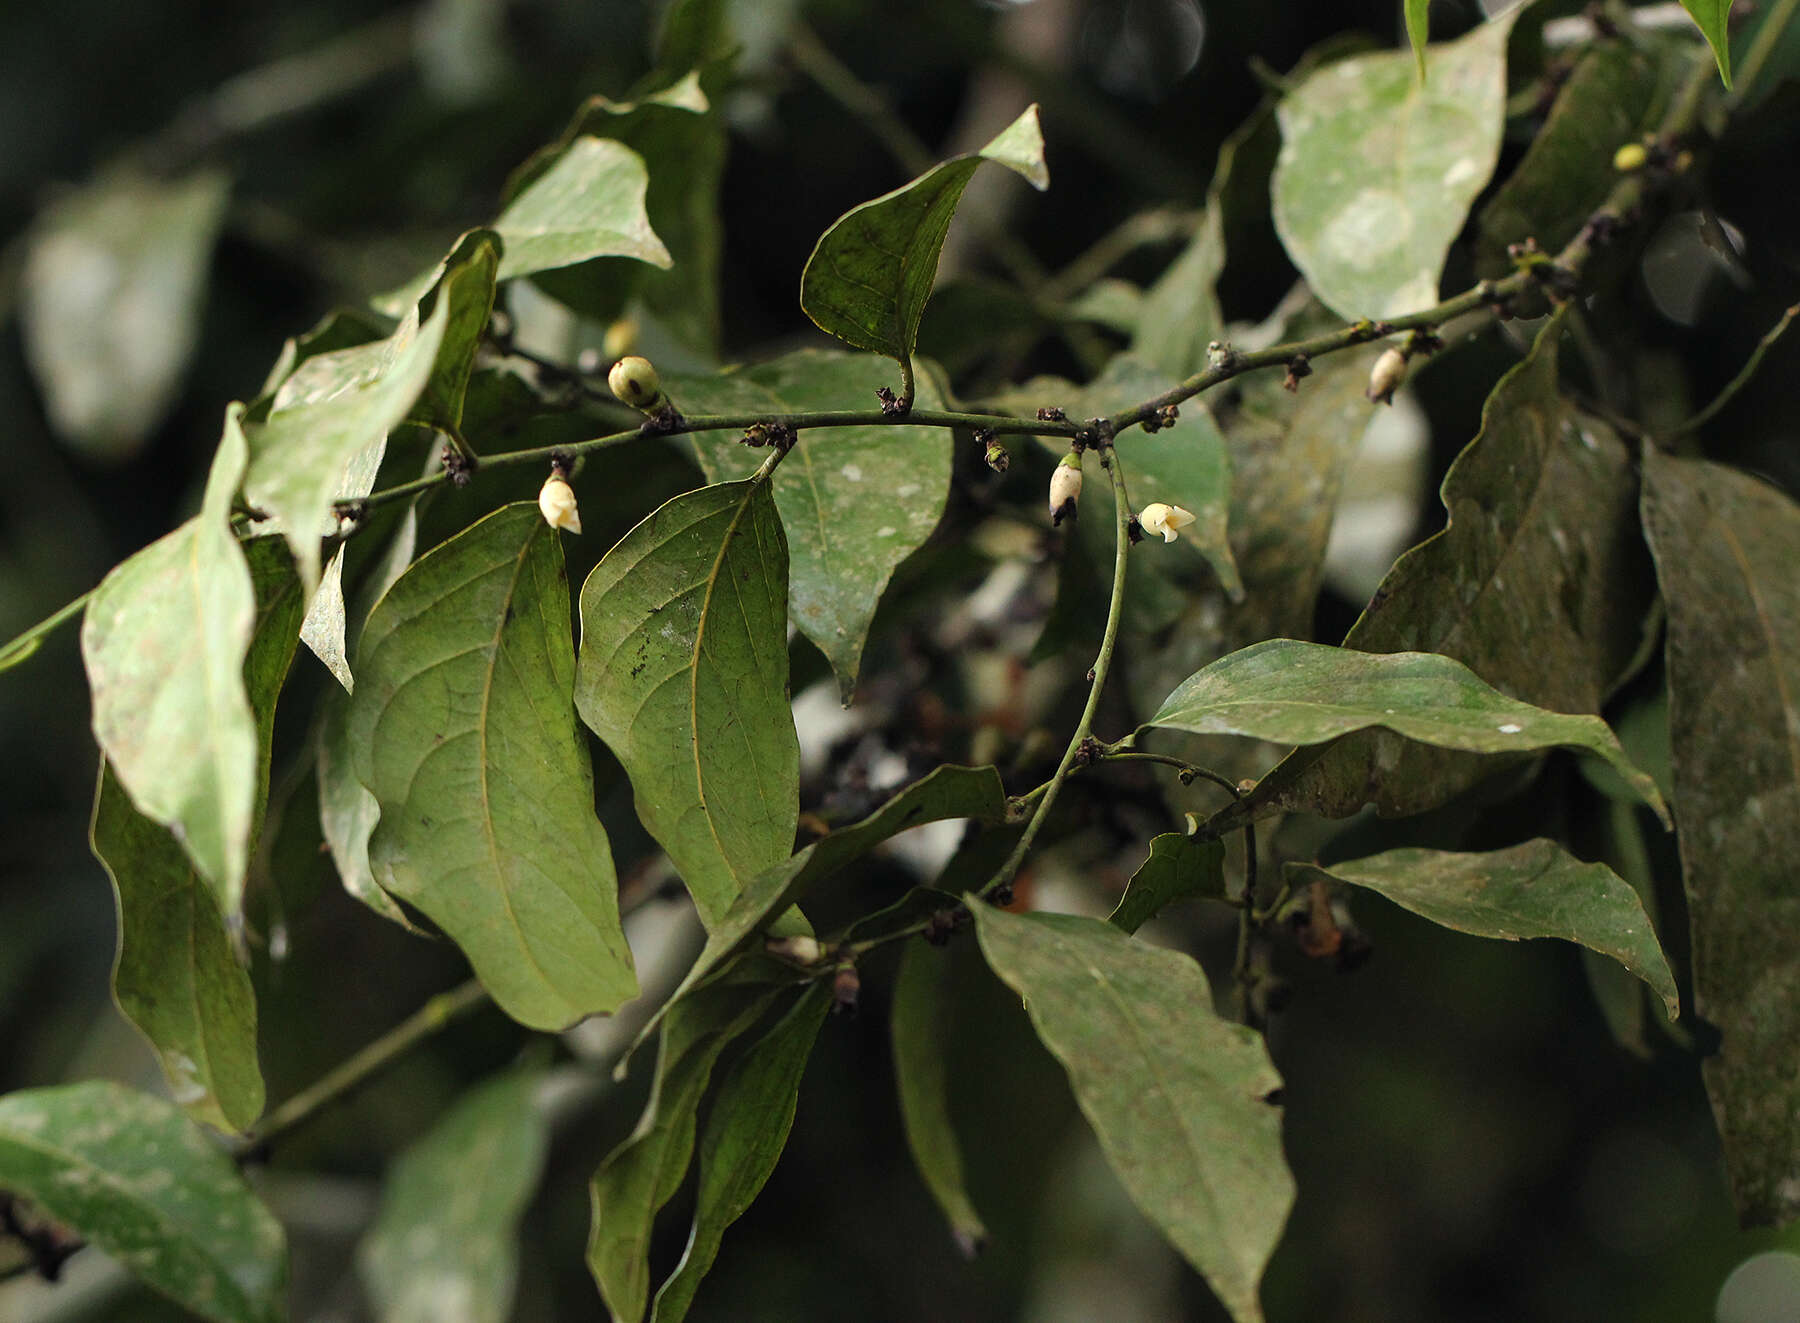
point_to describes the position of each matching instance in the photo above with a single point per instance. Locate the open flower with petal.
(1168, 520)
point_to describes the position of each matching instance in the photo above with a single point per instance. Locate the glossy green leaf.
(854, 501)
(684, 671)
(461, 727)
(326, 421)
(643, 1173)
(1539, 584)
(1290, 692)
(113, 286)
(921, 1017)
(1713, 18)
(945, 792)
(746, 1129)
(871, 273)
(1177, 1097)
(1177, 868)
(1726, 545)
(590, 203)
(1610, 98)
(164, 641)
(134, 1176)
(1418, 31)
(1378, 168)
(444, 1248)
(1535, 889)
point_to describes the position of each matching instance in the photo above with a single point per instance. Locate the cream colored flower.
(1385, 377)
(557, 500)
(1065, 487)
(1168, 520)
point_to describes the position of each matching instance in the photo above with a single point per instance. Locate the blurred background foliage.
(1468, 1137)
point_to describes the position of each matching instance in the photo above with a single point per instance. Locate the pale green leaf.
(1180, 315)
(164, 641)
(1535, 889)
(1378, 168)
(444, 1248)
(590, 203)
(1713, 18)
(746, 1129)
(921, 1019)
(1177, 867)
(1290, 692)
(1178, 1098)
(135, 1177)
(871, 273)
(324, 627)
(325, 421)
(1418, 31)
(1726, 547)
(461, 727)
(111, 293)
(854, 501)
(684, 672)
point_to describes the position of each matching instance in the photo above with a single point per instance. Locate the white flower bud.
(1065, 487)
(635, 381)
(1385, 377)
(557, 500)
(621, 338)
(798, 950)
(1168, 520)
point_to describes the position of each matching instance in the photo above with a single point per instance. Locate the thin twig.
(18, 649)
(1742, 379)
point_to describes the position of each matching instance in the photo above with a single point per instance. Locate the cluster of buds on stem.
(1065, 487)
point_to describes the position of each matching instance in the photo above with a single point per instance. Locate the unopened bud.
(1385, 377)
(846, 987)
(799, 950)
(557, 501)
(634, 380)
(1168, 520)
(998, 456)
(1065, 487)
(1630, 157)
(621, 338)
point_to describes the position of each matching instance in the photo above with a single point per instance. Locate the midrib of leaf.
(712, 580)
(1768, 632)
(175, 1232)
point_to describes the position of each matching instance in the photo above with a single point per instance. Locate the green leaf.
(854, 501)
(946, 792)
(1378, 168)
(1290, 692)
(1180, 313)
(1539, 584)
(1177, 867)
(920, 1017)
(461, 728)
(746, 1129)
(590, 203)
(1726, 546)
(322, 437)
(683, 672)
(134, 1176)
(113, 286)
(327, 621)
(164, 641)
(1418, 30)
(444, 1248)
(871, 273)
(643, 1173)
(1531, 890)
(1713, 17)
(1177, 1097)
(467, 288)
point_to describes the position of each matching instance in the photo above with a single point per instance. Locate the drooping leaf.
(854, 501)
(1726, 547)
(444, 1248)
(111, 293)
(1418, 30)
(461, 728)
(1713, 18)
(323, 630)
(590, 203)
(683, 672)
(1378, 168)
(946, 792)
(134, 1176)
(1535, 889)
(643, 1173)
(326, 420)
(1610, 98)
(341, 328)
(1539, 584)
(746, 1129)
(164, 641)
(467, 290)
(920, 1017)
(1177, 867)
(1306, 693)
(871, 273)
(1177, 1097)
